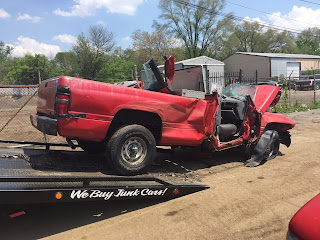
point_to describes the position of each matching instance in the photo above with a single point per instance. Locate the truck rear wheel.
(131, 149)
(92, 147)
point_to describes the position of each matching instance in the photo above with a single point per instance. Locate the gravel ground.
(242, 203)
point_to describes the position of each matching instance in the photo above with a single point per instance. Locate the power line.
(272, 14)
(274, 27)
(310, 2)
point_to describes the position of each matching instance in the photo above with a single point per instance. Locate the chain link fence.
(291, 96)
(17, 102)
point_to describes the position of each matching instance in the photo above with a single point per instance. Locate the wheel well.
(151, 121)
(279, 127)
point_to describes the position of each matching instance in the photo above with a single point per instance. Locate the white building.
(271, 64)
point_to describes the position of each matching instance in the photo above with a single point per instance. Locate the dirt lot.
(17, 122)
(242, 203)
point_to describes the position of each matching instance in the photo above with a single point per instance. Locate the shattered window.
(150, 76)
(239, 91)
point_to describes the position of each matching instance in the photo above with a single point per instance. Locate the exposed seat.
(226, 130)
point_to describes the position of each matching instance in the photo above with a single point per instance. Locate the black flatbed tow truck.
(32, 176)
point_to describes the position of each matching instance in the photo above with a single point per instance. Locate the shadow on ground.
(167, 161)
(44, 220)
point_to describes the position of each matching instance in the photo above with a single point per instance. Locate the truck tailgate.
(46, 96)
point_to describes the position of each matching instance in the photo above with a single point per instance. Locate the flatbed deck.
(41, 176)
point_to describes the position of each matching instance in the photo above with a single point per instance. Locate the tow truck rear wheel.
(131, 149)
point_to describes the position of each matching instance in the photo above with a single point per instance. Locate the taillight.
(310, 82)
(62, 103)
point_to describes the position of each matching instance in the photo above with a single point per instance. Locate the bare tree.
(90, 51)
(153, 45)
(254, 37)
(195, 22)
(102, 39)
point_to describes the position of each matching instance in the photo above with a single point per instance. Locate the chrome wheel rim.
(134, 150)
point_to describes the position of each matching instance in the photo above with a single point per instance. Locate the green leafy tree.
(254, 37)
(116, 69)
(5, 60)
(87, 58)
(28, 70)
(308, 46)
(66, 64)
(90, 51)
(249, 36)
(311, 34)
(5, 51)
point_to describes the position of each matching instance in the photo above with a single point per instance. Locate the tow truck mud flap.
(262, 149)
(26, 190)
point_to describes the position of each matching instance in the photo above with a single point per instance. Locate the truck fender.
(276, 121)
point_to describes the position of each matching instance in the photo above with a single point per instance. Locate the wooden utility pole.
(39, 77)
(135, 72)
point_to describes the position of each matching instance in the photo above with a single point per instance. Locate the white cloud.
(101, 23)
(26, 45)
(258, 20)
(126, 39)
(65, 38)
(27, 17)
(3, 13)
(303, 18)
(265, 25)
(86, 8)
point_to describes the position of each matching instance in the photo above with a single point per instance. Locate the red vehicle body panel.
(183, 118)
(283, 122)
(305, 224)
(265, 95)
(185, 121)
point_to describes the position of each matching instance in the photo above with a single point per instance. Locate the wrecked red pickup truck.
(128, 122)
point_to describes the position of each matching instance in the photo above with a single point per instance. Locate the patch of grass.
(283, 108)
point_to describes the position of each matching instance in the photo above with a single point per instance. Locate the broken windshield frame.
(239, 91)
(151, 82)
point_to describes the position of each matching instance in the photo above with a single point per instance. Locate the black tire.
(92, 147)
(317, 87)
(266, 149)
(273, 150)
(131, 149)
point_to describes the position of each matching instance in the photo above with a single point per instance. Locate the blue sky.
(47, 27)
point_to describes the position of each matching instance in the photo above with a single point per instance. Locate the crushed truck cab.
(128, 122)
